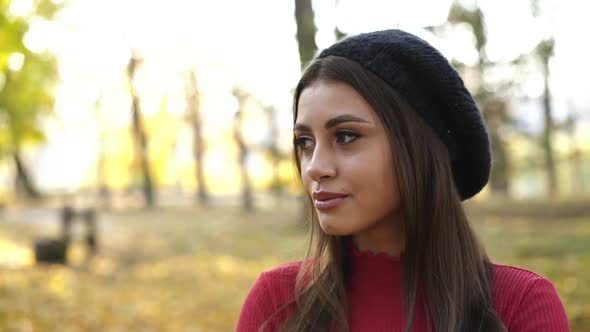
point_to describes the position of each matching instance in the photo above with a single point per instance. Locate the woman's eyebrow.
(332, 122)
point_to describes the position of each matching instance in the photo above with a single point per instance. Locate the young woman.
(388, 142)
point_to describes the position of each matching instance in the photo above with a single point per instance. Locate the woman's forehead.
(322, 101)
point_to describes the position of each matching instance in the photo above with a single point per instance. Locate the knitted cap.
(434, 89)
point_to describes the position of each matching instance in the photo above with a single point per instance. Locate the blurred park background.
(145, 169)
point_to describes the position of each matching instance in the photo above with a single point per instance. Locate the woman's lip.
(328, 203)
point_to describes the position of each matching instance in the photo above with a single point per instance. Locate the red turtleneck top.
(525, 301)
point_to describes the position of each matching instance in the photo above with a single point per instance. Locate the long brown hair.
(441, 250)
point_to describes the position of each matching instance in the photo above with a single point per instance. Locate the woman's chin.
(330, 228)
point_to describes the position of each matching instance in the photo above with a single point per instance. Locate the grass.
(190, 269)
(558, 250)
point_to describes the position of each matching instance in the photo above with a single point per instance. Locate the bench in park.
(54, 250)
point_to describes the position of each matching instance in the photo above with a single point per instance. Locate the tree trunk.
(198, 143)
(140, 139)
(548, 134)
(247, 197)
(306, 30)
(23, 183)
(544, 52)
(104, 193)
(499, 183)
(495, 114)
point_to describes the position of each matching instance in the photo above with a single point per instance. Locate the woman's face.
(346, 161)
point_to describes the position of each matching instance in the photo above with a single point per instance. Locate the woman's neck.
(387, 237)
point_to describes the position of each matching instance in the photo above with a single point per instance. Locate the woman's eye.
(303, 142)
(345, 137)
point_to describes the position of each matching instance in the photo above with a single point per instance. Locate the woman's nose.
(321, 165)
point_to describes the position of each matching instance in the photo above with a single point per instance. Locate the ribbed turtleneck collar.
(366, 254)
(375, 292)
(370, 267)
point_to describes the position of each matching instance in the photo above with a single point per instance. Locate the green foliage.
(475, 19)
(545, 49)
(25, 87)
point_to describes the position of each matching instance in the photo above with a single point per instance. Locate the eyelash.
(299, 142)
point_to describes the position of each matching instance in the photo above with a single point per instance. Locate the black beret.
(427, 81)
